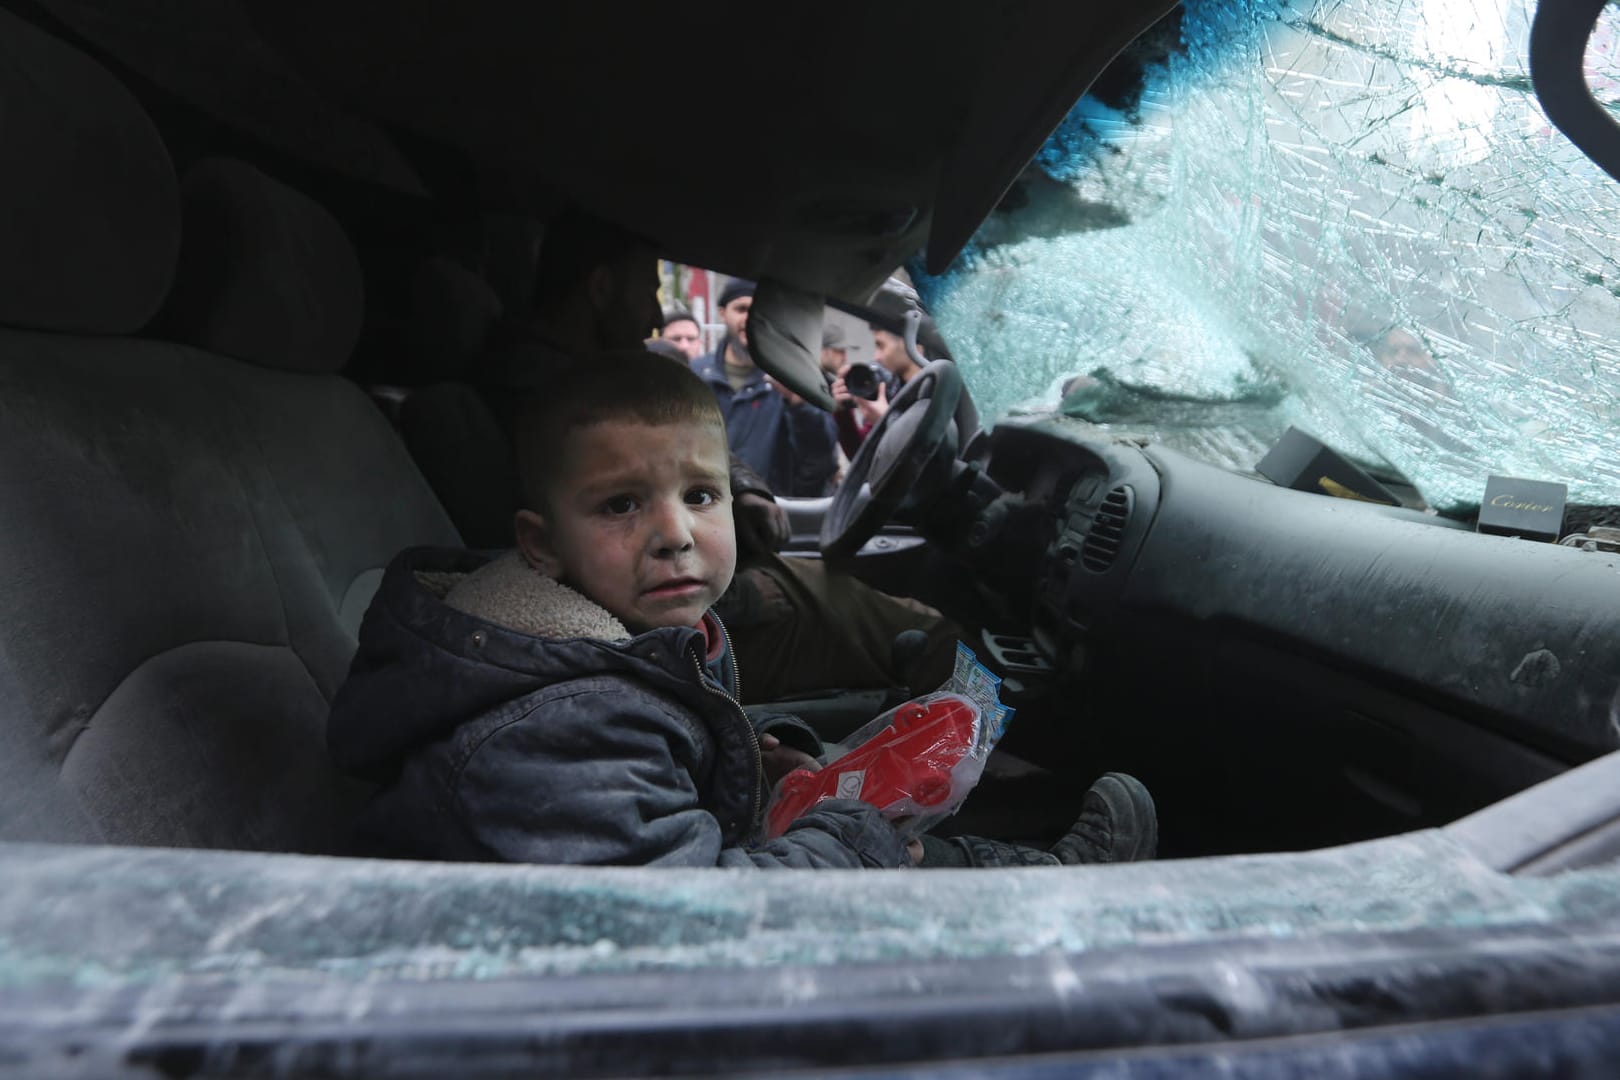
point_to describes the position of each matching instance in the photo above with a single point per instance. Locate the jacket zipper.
(748, 726)
(736, 668)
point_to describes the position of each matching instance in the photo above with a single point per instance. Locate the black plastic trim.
(1558, 39)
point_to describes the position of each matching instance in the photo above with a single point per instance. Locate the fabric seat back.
(190, 533)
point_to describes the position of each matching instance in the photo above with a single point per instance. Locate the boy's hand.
(780, 760)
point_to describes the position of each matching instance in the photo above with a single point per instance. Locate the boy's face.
(639, 520)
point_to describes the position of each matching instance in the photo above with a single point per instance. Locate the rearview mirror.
(784, 337)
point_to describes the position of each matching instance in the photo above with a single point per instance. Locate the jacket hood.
(453, 634)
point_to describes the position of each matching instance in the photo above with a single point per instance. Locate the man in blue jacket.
(786, 440)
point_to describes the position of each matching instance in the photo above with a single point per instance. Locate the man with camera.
(862, 391)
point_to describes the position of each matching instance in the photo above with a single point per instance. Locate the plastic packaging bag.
(916, 763)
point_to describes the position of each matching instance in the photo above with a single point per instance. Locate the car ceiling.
(821, 145)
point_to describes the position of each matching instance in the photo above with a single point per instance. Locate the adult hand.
(842, 398)
(873, 411)
(780, 760)
(762, 524)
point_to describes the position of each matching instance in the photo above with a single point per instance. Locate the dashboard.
(1397, 658)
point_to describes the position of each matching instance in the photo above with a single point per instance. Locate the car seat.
(190, 527)
(449, 429)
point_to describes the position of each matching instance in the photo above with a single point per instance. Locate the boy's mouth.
(676, 588)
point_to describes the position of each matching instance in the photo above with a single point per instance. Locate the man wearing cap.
(776, 433)
(834, 349)
(681, 329)
(854, 416)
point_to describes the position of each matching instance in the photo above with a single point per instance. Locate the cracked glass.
(1352, 217)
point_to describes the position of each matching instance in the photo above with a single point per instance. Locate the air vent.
(1107, 531)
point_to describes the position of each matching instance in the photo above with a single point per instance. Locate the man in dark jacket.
(779, 435)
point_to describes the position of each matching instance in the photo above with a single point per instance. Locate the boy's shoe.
(1117, 824)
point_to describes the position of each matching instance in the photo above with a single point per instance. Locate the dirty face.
(640, 521)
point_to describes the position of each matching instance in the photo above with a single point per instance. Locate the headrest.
(452, 313)
(266, 274)
(89, 211)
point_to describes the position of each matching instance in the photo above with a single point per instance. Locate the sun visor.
(266, 274)
(91, 226)
(784, 337)
(208, 54)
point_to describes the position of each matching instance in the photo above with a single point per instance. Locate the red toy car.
(912, 765)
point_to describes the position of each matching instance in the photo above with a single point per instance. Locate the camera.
(863, 380)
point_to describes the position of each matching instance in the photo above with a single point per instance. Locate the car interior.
(248, 267)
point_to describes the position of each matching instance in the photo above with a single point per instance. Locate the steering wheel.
(894, 457)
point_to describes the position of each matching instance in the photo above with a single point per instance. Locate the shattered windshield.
(1352, 217)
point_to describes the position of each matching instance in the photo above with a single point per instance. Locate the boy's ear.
(534, 541)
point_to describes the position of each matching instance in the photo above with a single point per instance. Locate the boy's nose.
(672, 527)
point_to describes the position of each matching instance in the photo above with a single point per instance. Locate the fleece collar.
(508, 592)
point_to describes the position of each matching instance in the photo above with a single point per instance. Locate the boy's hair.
(625, 385)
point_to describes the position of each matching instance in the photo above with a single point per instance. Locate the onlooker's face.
(1401, 350)
(685, 335)
(890, 351)
(735, 316)
(641, 522)
(834, 360)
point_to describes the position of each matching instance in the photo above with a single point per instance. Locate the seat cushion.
(188, 540)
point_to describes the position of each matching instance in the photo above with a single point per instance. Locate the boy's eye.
(702, 497)
(619, 504)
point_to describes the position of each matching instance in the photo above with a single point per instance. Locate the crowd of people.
(795, 446)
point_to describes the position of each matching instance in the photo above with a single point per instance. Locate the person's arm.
(790, 729)
(601, 775)
(745, 481)
(762, 525)
(786, 742)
